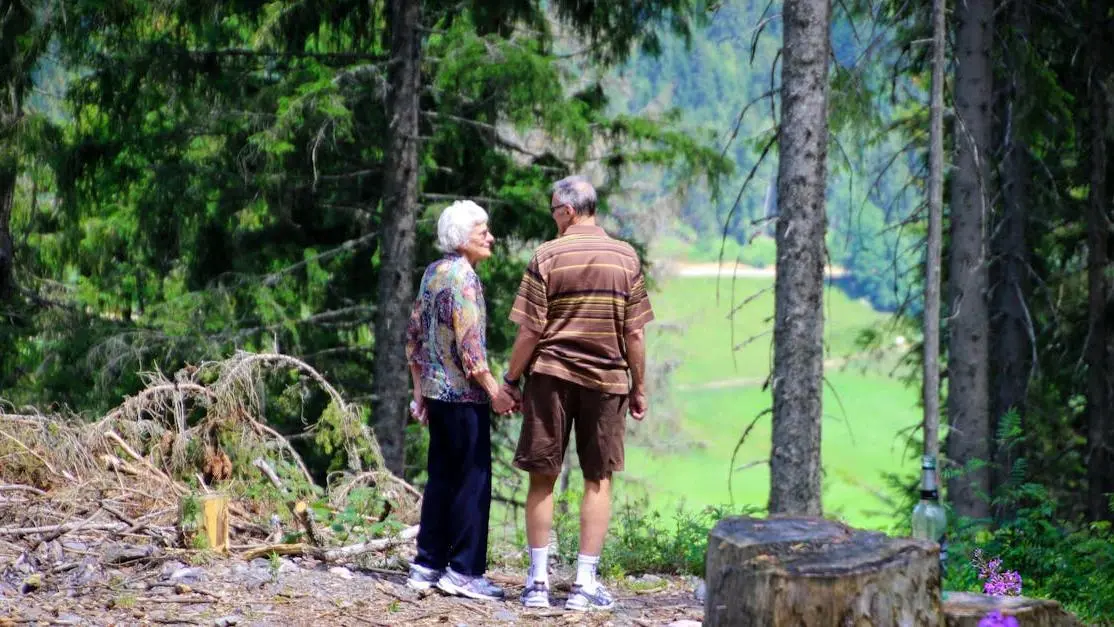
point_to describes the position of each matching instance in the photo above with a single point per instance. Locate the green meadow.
(714, 391)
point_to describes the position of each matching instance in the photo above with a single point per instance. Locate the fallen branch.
(115, 463)
(352, 550)
(140, 399)
(334, 554)
(19, 487)
(111, 435)
(65, 527)
(54, 535)
(269, 472)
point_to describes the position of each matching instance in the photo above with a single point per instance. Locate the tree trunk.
(396, 289)
(934, 243)
(968, 421)
(809, 571)
(1100, 479)
(799, 319)
(8, 169)
(1010, 345)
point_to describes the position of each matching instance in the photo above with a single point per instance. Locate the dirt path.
(749, 382)
(727, 270)
(304, 592)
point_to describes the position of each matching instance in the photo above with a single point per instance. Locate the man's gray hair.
(576, 192)
(456, 223)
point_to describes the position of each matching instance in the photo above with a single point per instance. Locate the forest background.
(179, 181)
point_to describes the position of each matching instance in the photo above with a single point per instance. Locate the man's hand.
(638, 403)
(418, 410)
(513, 392)
(503, 403)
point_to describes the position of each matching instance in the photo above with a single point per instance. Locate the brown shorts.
(550, 409)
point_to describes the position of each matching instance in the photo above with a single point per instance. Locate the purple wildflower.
(997, 583)
(995, 619)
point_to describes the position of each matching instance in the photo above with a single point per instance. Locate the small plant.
(124, 602)
(275, 564)
(996, 583)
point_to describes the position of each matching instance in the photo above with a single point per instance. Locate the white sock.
(586, 571)
(539, 565)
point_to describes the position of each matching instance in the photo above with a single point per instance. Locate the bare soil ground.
(165, 591)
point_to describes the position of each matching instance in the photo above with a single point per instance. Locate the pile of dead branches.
(123, 477)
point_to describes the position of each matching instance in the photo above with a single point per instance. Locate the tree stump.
(810, 571)
(214, 508)
(966, 609)
(203, 522)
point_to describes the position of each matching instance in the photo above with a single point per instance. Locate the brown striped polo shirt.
(583, 292)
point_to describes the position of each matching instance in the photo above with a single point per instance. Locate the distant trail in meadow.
(749, 382)
(727, 270)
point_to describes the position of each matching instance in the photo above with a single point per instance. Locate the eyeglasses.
(556, 207)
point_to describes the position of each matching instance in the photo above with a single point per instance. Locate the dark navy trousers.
(457, 498)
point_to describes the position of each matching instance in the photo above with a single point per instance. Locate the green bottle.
(929, 519)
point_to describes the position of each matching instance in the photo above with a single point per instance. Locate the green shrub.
(1069, 561)
(641, 540)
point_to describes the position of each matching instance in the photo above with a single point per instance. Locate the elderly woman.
(454, 393)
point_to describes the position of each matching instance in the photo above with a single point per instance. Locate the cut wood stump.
(809, 571)
(966, 609)
(214, 508)
(203, 522)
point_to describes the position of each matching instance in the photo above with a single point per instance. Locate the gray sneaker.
(583, 601)
(536, 595)
(480, 588)
(422, 578)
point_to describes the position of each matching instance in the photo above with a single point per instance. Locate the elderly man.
(581, 309)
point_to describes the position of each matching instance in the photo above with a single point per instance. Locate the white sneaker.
(585, 601)
(536, 595)
(479, 588)
(422, 578)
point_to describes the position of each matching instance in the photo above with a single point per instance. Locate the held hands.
(505, 401)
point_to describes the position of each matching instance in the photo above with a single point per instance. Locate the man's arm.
(524, 344)
(636, 359)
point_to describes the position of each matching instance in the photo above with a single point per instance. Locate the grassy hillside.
(714, 397)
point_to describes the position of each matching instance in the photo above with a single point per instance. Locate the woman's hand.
(418, 410)
(503, 403)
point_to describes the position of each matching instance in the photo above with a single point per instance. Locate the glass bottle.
(929, 519)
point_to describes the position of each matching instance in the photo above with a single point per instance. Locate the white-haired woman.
(454, 393)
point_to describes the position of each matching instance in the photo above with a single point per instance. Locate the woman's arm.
(468, 327)
(414, 350)
(417, 407)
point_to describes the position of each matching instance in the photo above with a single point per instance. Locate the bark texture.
(1100, 430)
(1011, 347)
(799, 320)
(965, 609)
(811, 571)
(396, 289)
(968, 416)
(934, 243)
(7, 254)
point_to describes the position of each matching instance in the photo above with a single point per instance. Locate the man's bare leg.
(595, 514)
(539, 521)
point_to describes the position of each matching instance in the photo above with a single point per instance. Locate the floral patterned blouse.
(446, 336)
